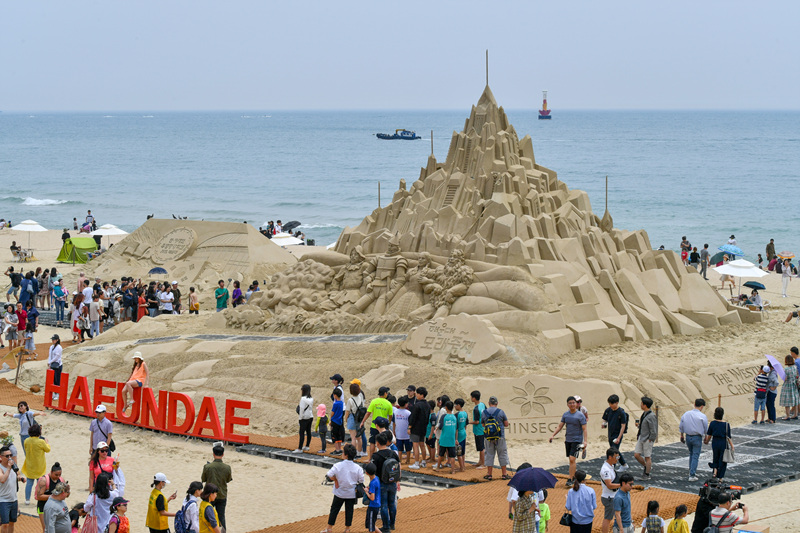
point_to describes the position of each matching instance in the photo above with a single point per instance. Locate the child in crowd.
(118, 523)
(115, 308)
(679, 525)
(430, 441)
(447, 438)
(544, 511)
(373, 494)
(75, 515)
(30, 347)
(513, 499)
(525, 515)
(462, 420)
(194, 302)
(653, 523)
(401, 415)
(322, 427)
(337, 421)
(760, 400)
(383, 427)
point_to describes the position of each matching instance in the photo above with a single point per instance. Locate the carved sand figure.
(385, 276)
(347, 284)
(412, 295)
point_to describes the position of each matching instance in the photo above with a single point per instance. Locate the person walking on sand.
(770, 249)
(140, 377)
(576, 435)
(44, 489)
(26, 419)
(158, 505)
(786, 277)
(208, 518)
(35, 464)
(646, 437)
(55, 513)
(100, 432)
(218, 474)
(704, 257)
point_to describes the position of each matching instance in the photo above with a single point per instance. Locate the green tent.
(75, 250)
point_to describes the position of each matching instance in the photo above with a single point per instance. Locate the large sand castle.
(493, 234)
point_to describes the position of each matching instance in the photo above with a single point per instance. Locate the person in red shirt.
(22, 316)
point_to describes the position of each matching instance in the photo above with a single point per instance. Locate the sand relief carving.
(462, 338)
(174, 245)
(490, 232)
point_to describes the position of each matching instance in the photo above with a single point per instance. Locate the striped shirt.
(761, 382)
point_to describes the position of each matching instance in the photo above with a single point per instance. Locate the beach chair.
(17, 256)
(765, 306)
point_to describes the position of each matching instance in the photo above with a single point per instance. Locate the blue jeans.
(695, 445)
(29, 483)
(388, 505)
(771, 404)
(94, 330)
(60, 310)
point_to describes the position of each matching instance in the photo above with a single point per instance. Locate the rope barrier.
(773, 516)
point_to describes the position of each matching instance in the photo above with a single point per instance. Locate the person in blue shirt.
(447, 438)
(581, 502)
(373, 494)
(462, 419)
(622, 505)
(337, 422)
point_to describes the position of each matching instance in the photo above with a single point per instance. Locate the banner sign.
(160, 414)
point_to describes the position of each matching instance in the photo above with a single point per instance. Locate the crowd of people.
(201, 511)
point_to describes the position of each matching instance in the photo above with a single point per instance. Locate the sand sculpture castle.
(493, 234)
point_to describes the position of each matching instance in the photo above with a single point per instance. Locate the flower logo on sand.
(530, 398)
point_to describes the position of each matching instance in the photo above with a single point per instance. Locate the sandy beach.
(272, 383)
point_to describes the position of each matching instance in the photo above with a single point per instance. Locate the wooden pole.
(431, 142)
(719, 401)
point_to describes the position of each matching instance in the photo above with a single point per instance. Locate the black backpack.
(390, 471)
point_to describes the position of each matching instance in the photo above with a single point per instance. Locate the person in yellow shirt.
(35, 464)
(209, 521)
(679, 525)
(158, 506)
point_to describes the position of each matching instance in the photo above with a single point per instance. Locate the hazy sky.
(408, 54)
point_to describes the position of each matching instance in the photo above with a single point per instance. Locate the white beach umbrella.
(285, 239)
(741, 268)
(29, 226)
(108, 229)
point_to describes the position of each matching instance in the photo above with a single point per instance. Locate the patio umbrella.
(717, 258)
(29, 226)
(755, 285)
(741, 269)
(731, 249)
(785, 255)
(108, 230)
(777, 366)
(534, 479)
(285, 239)
(157, 270)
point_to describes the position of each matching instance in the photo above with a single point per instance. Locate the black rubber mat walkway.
(766, 455)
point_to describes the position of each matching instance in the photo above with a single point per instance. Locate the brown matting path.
(10, 394)
(483, 507)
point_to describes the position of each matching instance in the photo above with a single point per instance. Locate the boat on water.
(544, 113)
(403, 134)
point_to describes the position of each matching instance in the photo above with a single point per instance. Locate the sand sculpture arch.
(492, 233)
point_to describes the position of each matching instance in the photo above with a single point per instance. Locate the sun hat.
(321, 410)
(137, 355)
(160, 477)
(100, 409)
(119, 500)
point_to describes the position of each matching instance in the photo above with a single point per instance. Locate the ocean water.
(706, 175)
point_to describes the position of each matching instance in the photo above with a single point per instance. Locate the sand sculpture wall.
(193, 252)
(491, 233)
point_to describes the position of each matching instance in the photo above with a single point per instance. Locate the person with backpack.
(723, 518)
(118, 523)
(616, 420)
(494, 422)
(354, 414)
(387, 464)
(187, 519)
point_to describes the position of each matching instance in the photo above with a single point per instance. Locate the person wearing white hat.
(101, 431)
(158, 506)
(140, 376)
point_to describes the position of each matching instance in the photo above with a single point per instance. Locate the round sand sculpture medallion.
(174, 245)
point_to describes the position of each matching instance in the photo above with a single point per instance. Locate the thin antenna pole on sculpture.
(379, 195)
(606, 192)
(487, 67)
(431, 142)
